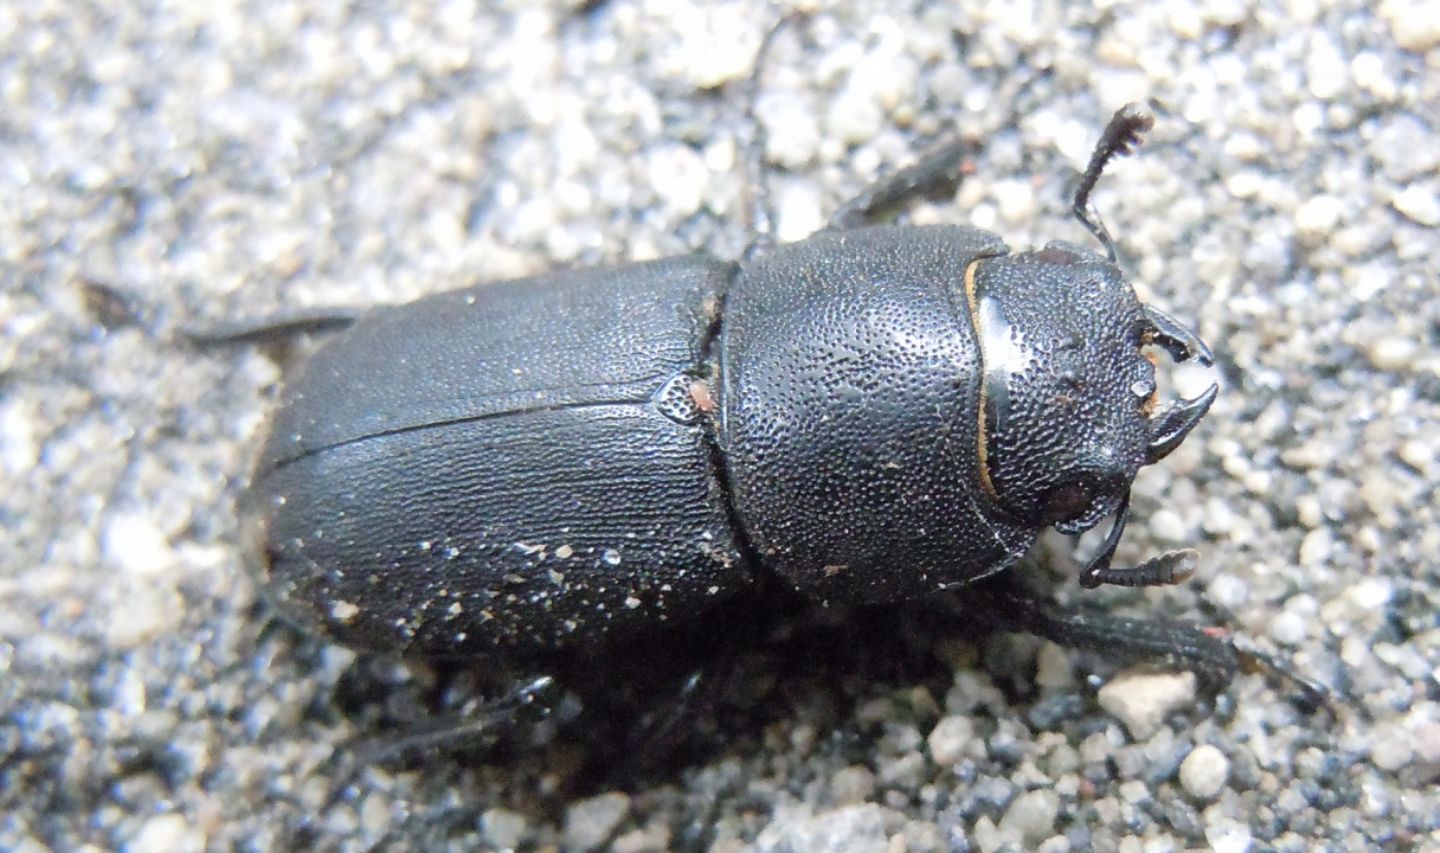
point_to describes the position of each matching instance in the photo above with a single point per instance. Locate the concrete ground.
(170, 164)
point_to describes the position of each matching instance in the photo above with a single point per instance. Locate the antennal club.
(1122, 135)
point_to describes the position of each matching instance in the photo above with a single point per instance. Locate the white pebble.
(588, 823)
(1229, 837)
(679, 177)
(854, 117)
(1419, 204)
(503, 828)
(1390, 352)
(1204, 772)
(1016, 199)
(1318, 215)
(951, 741)
(167, 832)
(134, 542)
(1142, 700)
(1167, 526)
(792, 134)
(1414, 24)
(1033, 815)
(852, 785)
(797, 208)
(1289, 628)
(1325, 68)
(1391, 749)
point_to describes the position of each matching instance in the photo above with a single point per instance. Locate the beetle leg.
(758, 199)
(1003, 602)
(1214, 655)
(526, 702)
(275, 329)
(660, 736)
(939, 170)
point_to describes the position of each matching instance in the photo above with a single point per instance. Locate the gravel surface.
(165, 164)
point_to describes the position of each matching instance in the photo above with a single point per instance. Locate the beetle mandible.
(872, 414)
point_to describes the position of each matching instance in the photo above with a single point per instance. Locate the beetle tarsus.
(1121, 136)
(1253, 659)
(1165, 570)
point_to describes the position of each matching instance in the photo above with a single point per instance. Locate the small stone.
(854, 117)
(797, 210)
(679, 176)
(1229, 591)
(713, 45)
(1414, 24)
(1418, 455)
(1167, 526)
(166, 832)
(1053, 669)
(951, 741)
(503, 828)
(1404, 147)
(589, 823)
(1318, 215)
(860, 828)
(792, 135)
(1392, 353)
(1391, 749)
(1016, 200)
(1225, 13)
(1315, 548)
(1142, 700)
(852, 785)
(1289, 628)
(1229, 837)
(134, 542)
(1369, 72)
(1325, 68)
(1033, 815)
(1427, 741)
(1419, 204)
(1204, 772)
(20, 426)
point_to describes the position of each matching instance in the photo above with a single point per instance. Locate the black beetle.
(872, 414)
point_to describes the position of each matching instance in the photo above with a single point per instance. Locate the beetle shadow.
(645, 713)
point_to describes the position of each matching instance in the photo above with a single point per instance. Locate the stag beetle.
(874, 414)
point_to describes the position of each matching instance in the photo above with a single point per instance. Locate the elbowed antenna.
(1168, 568)
(1121, 136)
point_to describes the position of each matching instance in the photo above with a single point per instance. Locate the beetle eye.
(1067, 502)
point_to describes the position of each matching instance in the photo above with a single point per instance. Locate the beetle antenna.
(759, 204)
(1169, 568)
(1121, 136)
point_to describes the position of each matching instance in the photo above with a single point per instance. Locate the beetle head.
(1069, 408)
(1064, 432)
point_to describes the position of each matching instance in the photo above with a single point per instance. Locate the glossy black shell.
(505, 466)
(582, 456)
